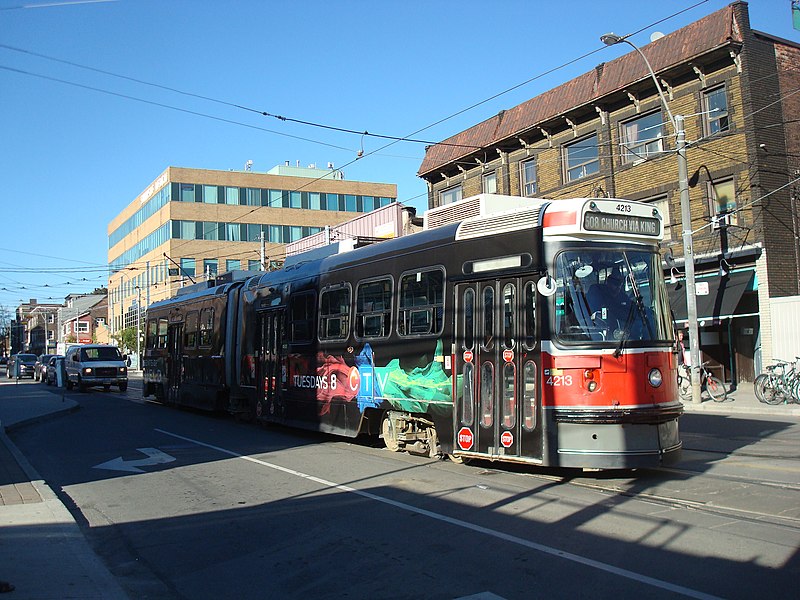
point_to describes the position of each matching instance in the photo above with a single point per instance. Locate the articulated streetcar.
(510, 329)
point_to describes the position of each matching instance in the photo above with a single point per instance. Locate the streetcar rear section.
(187, 340)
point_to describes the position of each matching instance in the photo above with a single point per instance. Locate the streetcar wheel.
(389, 434)
(716, 389)
(459, 460)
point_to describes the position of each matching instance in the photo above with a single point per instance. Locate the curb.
(73, 407)
(729, 407)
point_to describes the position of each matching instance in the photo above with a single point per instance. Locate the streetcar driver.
(609, 301)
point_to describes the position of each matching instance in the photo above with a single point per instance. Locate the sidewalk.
(742, 401)
(43, 551)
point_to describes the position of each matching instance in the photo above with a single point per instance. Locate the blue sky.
(71, 156)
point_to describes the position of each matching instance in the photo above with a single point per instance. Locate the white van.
(95, 365)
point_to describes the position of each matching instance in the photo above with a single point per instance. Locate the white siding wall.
(785, 317)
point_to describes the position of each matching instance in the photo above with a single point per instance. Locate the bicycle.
(710, 384)
(779, 385)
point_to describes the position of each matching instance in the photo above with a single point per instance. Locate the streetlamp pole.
(138, 328)
(686, 218)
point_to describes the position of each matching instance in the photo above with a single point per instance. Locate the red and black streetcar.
(510, 329)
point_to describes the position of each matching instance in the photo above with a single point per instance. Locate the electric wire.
(301, 121)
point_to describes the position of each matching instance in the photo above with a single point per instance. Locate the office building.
(192, 224)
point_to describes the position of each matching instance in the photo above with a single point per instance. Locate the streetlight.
(138, 328)
(121, 291)
(610, 39)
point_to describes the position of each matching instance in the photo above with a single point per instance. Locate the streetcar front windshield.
(611, 297)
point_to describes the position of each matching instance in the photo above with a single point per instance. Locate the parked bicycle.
(780, 384)
(709, 384)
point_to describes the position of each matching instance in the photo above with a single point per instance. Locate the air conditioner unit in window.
(721, 220)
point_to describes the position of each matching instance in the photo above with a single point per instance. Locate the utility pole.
(263, 251)
(686, 218)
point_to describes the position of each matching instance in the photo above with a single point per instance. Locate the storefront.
(727, 318)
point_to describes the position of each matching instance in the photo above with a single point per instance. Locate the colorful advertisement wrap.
(370, 385)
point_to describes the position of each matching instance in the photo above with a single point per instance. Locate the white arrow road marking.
(155, 457)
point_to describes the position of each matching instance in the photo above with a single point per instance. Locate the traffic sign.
(507, 439)
(465, 438)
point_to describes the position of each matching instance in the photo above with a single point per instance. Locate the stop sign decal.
(465, 438)
(507, 438)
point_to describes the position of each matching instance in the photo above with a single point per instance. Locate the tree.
(126, 338)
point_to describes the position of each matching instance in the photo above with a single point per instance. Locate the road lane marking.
(576, 558)
(154, 457)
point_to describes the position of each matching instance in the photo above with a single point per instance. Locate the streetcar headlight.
(655, 378)
(588, 376)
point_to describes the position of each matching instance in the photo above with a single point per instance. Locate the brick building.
(606, 133)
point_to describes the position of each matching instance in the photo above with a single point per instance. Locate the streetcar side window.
(488, 317)
(509, 400)
(301, 316)
(467, 402)
(509, 310)
(206, 326)
(487, 394)
(150, 338)
(529, 316)
(421, 306)
(334, 312)
(190, 330)
(374, 308)
(162, 333)
(529, 396)
(469, 319)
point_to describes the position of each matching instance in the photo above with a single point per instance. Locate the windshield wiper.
(639, 303)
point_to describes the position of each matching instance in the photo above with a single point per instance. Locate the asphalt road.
(181, 504)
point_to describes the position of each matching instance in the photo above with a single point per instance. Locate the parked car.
(95, 365)
(40, 368)
(21, 365)
(54, 365)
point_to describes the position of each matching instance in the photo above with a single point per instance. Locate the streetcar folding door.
(272, 372)
(498, 404)
(174, 363)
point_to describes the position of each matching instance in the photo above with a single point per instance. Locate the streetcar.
(510, 329)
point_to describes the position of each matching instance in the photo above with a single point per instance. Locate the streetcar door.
(174, 361)
(271, 364)
(497, 358)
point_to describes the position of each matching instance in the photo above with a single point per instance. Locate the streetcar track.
(750, 516)
(734, 478)
(741, 514)
(744, 454)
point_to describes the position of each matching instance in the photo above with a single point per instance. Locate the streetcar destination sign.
(632, 224)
